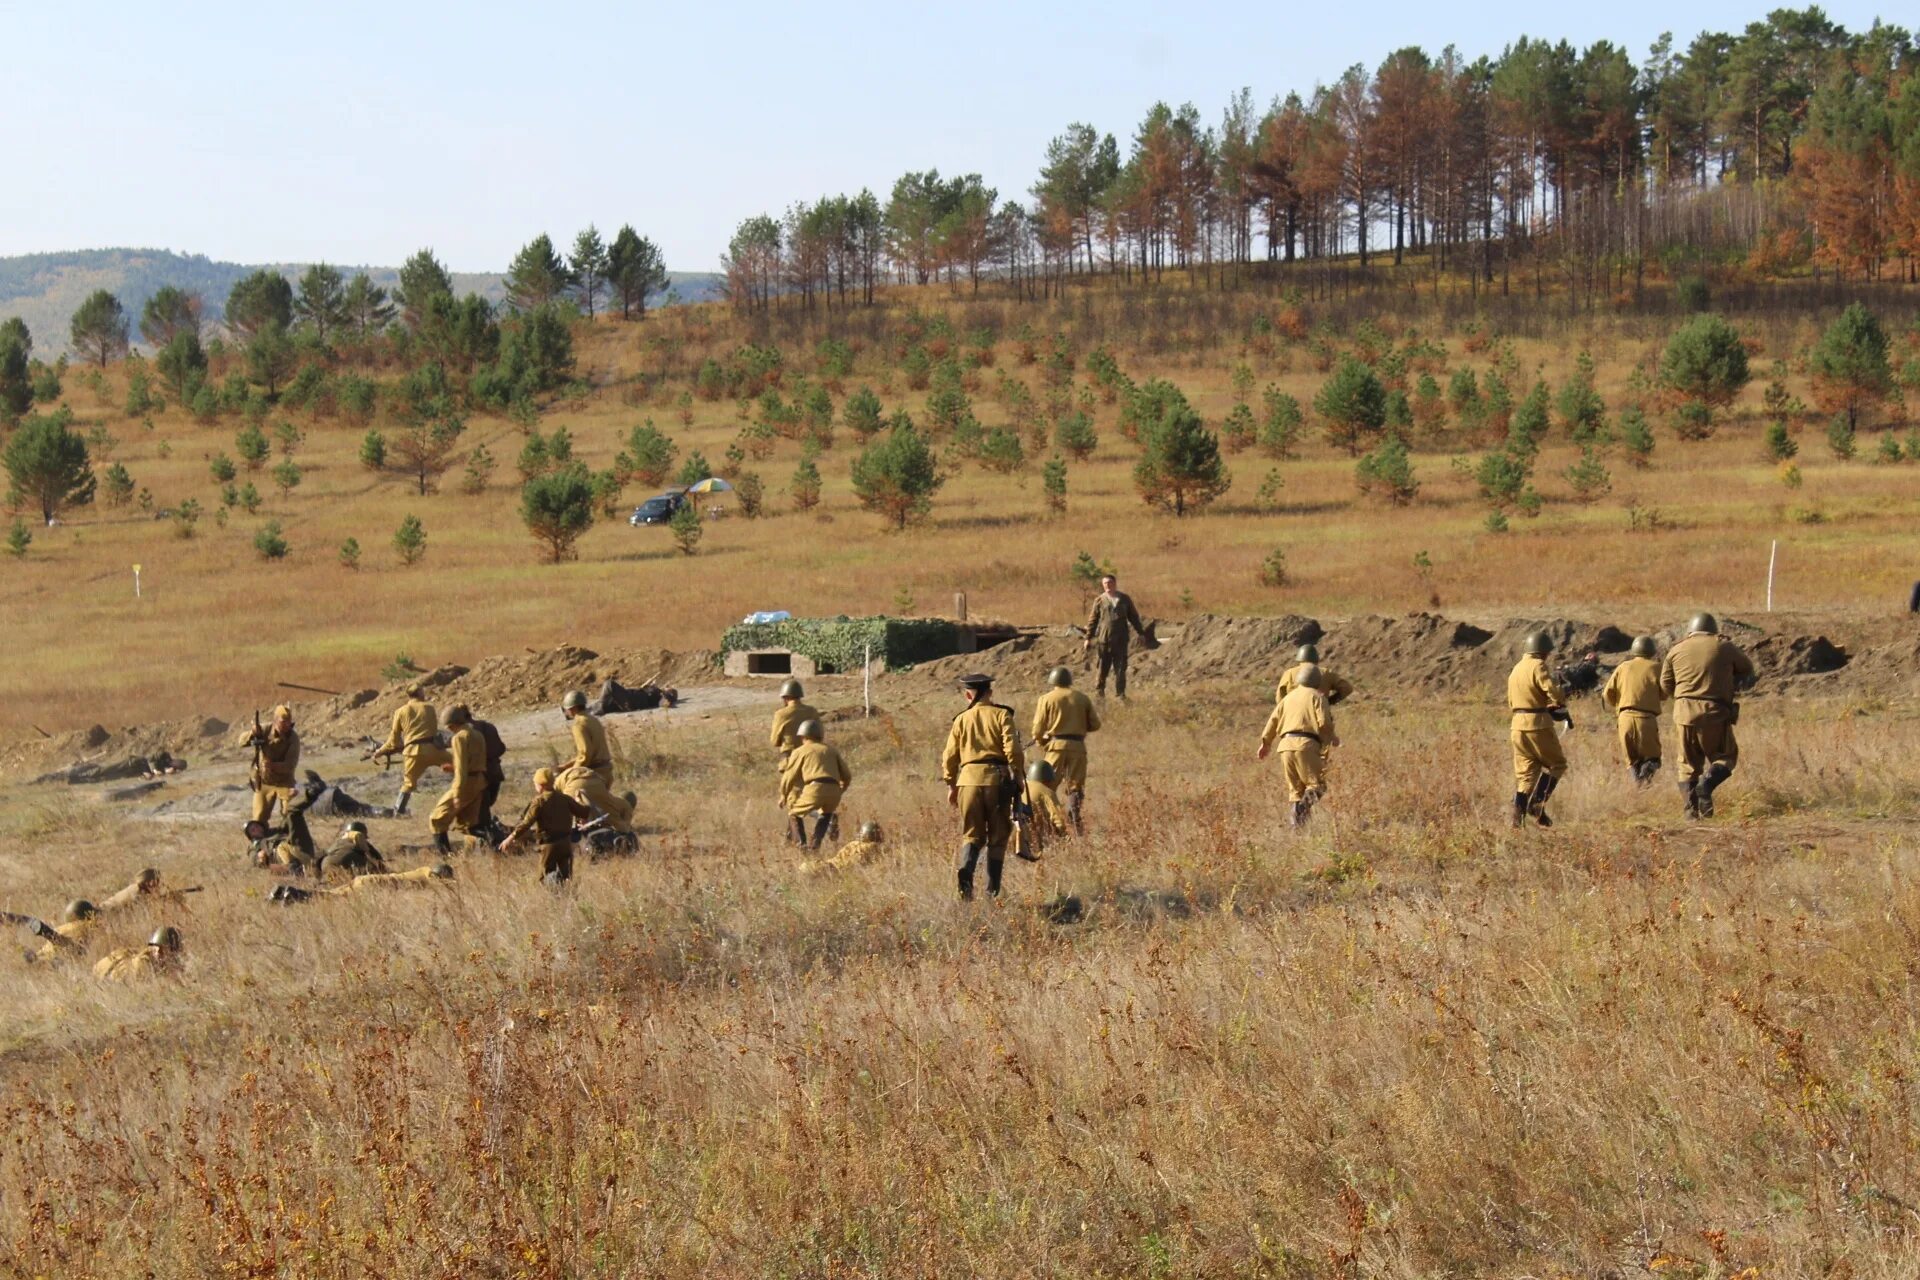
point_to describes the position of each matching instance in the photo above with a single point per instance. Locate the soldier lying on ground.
(854, 853)
(161, 956)
(67, 939)
(419, 877)
(1583, 676)
(616, 699)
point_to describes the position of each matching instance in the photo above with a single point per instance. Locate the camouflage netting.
(840, 644)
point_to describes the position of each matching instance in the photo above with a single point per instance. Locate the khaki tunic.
(549, 819)
(1633, 692)
(1531, 694)
(1302, 726)
(460, 806)
(1335, 687)
(589, 779)
(1701, 675)
(128, 964)
(73, 931)
(1062, 719)
(1046, 808)
(786, 723)
(413, 735)
(855, 853)
(981, 757)
(276, 772)
(813, 779)
(416, 878)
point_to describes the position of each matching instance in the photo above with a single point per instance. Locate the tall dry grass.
(1405, 1043)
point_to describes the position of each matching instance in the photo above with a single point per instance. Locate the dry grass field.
(1404, 1043)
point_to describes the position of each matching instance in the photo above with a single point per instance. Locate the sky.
(357, 133)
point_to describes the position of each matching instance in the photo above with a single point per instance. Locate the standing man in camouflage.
(1701, 675)
(1536, 704)
(1302, 726)
(1062, 719)
(589, 777)
(460, 806)
(1633, 694)
(980, 764)
(1111, 625)
(415, 738)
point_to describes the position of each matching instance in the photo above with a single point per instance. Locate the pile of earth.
(494, 686)
(1430, 654)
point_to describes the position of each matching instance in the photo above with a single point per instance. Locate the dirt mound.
(1212, 646)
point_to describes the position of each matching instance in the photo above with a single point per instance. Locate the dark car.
(657, 510)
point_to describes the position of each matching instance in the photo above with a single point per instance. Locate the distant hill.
(45, 288)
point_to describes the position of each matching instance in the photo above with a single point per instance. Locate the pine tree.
(1180, 467)
(263, 300)
(536, 276)
(588, 263)
(635, 270)
(1053, 483)
(557, 508)
(18, 539)
(650, 454)
(1850, 368)
(99, 328)
(805, 485)
(1354, 403)
(896, 475)
(410, 540)
(169, 313)
(1387, 472)
(422, 280)
(47, 464)
(251, 444)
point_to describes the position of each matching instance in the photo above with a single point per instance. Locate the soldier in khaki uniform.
(549, 818)
(812, 781)
(69, 938)
(420, 877)
(460, 806)
(1701, 675)
(981, 761)
(1062, 719)
(353, 854)
(142, 885)
(588, 778)
(161, 956)
(276, 764)
(415, 738)
(1535, 702)
(1302, 726)
(1336, 688)
(1111, 624)
(855, 853)
(1633, 694)
(1048, 815)
(793, 712)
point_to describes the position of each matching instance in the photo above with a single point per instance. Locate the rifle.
(259, 741)
(1026, 832)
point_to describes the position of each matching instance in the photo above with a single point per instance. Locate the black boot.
(400, 810)
(1074, 799)
(1703, 789)
(441, 844)
(833, 829)
(969, 855)
(1690, 791)
(796, 830)
(1542, 792)
(1298, 817)
(822, 826)
(1519, 809)
(996, 862)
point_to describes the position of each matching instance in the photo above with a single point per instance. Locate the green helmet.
(443, 871)
(1538, 644)
(574, 701)
(1306, 653)
(354, 828)
(166, 937)
(792, 689)
(1642, 647)
(871, 831)
(1309, 677)
(1040, 771)
(1703, 624)
(1060, 678)
(80, 909)
(148, 877)
(811, 730)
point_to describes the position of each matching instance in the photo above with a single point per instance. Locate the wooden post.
(866, 681)
(1772, 557)
(960, 606)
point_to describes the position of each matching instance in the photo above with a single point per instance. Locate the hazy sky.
(357, 133)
